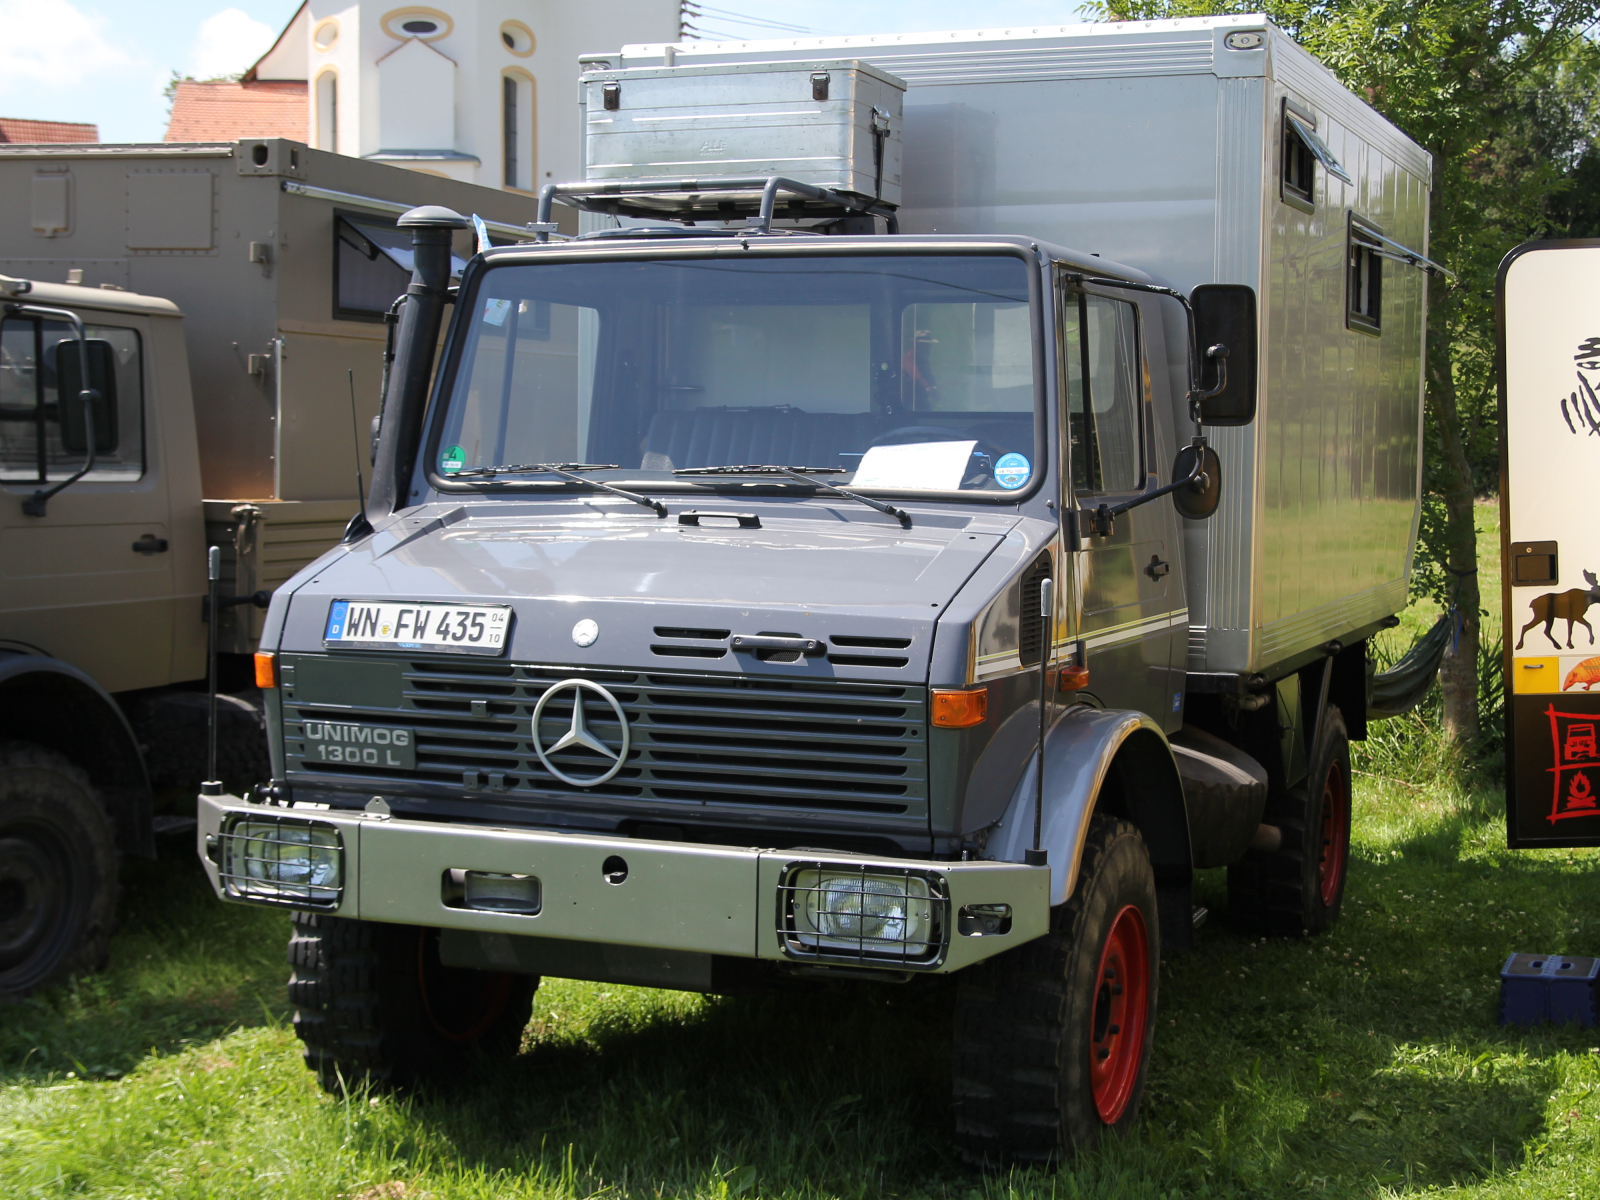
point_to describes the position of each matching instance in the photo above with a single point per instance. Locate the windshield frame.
(523, 486)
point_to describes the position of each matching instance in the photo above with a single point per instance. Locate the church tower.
(483, 91)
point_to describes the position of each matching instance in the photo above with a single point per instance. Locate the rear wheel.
(1052, 1039)
(58, 871)
(1298, 889)
(373, 1004)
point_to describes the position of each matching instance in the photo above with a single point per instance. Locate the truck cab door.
(91, 581)
(1127, 588)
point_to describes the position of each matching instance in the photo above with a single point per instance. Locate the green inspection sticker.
(452, 460)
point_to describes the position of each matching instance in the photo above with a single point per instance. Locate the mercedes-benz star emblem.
(578, 734)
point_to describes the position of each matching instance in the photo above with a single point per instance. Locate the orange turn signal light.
(1072, 679)
(960, 709)
(266, 670)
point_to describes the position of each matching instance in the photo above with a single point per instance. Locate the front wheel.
(374, 1005)
(1052, 1039)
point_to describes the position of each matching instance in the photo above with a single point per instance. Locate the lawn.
(1364, 1063)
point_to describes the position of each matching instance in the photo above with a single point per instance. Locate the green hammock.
(1402, 687)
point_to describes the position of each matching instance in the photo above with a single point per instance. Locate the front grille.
(697, 741)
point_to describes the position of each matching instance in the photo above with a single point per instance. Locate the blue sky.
(107, 61)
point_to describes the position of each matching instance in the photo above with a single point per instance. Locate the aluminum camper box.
(1161, 145)
(277, 256)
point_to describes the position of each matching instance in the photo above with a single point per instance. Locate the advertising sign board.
(1548, 303)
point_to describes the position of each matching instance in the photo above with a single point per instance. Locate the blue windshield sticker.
(336, 615)
(496, 311)
(1012, 471)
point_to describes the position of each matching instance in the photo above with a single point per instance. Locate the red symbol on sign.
(1576, 747)
(1580, 743)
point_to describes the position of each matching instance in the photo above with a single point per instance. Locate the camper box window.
(1363, 278)
(1303, 149)
(372, 265)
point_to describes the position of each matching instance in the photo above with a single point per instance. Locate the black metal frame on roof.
(705, 198)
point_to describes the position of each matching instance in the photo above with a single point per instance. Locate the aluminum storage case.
(833, 124)
(1162, 145)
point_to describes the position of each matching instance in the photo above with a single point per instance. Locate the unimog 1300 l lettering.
(817, 569)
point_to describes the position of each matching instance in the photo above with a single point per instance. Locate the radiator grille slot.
(1030, 625)
(729, 742)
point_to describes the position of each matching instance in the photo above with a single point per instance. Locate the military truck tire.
(1052, 1039)
(1297, 890)
(58, 871)
(374, 1006)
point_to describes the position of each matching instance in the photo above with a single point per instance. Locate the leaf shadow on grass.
(184, 969)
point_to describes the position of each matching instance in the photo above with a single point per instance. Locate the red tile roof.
(13, 129)
(225, 112)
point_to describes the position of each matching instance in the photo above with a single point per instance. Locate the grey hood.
(669, 595)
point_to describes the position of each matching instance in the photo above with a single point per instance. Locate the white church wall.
(441, 86)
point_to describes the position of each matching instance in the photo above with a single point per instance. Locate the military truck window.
(904, 373)
(1100, 343)
(371, 266)
(1363, 279)
(42, 437)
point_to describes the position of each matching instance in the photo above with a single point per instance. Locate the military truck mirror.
(1200, 498)
(1225, 342)
(102, 381)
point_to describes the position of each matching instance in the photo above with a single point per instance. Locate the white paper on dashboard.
(926, 466)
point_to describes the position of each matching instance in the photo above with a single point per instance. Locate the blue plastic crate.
(1548, 987)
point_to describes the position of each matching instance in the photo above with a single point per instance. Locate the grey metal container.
(833, 124)
(1162, 145)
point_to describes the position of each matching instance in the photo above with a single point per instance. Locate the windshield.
(905, 373)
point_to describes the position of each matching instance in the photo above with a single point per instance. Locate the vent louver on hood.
(1030, 626)
(848, 650)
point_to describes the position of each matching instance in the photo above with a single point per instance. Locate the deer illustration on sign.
(1569, 606)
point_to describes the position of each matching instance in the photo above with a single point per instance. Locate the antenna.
(1037, 856)
(355, 435)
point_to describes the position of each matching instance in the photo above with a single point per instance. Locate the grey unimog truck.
(231, 297)
(724, 576)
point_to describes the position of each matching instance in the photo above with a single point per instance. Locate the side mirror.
(102, 382)
(1200, 491)
(1225, 336)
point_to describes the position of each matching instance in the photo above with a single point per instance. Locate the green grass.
(1365, 1063)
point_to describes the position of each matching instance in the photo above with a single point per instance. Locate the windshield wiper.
(899, 514)
(566, 471)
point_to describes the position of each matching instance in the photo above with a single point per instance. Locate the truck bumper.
(712, 900)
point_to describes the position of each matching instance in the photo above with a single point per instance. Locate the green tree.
(1501, 93)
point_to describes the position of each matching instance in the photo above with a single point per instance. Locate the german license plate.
(392, 625)
(383, 746)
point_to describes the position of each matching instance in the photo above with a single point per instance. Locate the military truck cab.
(771, 584)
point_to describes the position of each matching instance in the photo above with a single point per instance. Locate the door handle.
(150, 544)
(1156, 568)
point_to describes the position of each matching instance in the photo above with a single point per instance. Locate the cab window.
(1100, 353)
(41, 437)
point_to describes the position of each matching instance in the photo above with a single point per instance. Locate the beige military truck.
(231, 300)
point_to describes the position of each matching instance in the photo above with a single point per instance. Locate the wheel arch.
(1101, 760)
(53, 704)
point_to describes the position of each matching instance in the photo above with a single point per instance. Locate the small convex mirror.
(1225, 319)
(1199, 499)
(69, 384)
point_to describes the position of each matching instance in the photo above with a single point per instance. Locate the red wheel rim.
(1121, 1014)
(1335, 836)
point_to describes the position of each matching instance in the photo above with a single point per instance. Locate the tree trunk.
(1458, 674)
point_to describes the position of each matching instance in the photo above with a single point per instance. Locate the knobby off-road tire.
(373, 1005)
(58, 871)
(1052, 1039)
(1298, 889)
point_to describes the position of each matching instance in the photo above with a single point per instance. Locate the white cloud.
(229, 42)
(50, 42)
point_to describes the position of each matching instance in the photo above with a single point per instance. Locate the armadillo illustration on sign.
(1587, 673)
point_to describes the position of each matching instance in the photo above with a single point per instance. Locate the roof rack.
(717, 198)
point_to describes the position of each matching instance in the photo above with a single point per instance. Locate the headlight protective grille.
(289, 861)
(863, 914)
